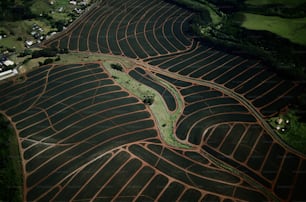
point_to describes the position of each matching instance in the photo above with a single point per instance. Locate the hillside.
(255, 30)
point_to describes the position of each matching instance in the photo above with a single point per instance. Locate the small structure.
(73, 3)
(78, 10)
(7, 74)
(8, 63)
(279, 121)
(28, 43)
(83, 3)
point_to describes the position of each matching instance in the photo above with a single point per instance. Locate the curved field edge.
(11, 176)
(164, 119)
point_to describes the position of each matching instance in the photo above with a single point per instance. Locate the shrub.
(58, 58)
(148, 99)
(117, 67)
(48, 61)
(47, 52)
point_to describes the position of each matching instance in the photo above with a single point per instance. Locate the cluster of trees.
(10, 168)
(117, 67)
(49, 52)
(228, 6)
(288, 62)
(49, 61)
(148, 99)
(12, 10)
(230, 36)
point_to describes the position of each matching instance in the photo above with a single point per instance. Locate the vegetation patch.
(165, 120)
(292, 29)
(202, 6)
(290, 129)
(10, 164)
(117, 67)
(257, 31)
(284, 2)
(19, 18)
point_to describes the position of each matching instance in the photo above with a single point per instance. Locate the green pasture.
(39, 7)
(284, 2)
(11, 42)
(292, 29)
(44, 6)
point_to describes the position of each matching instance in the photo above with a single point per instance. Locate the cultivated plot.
(82, 136)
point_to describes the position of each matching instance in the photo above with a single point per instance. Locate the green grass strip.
(165, 120)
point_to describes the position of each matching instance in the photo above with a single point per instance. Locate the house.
(78, 10)
(8, 63)
(28, 43)
(73, 3)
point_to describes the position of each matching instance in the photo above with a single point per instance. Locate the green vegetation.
(271, 30)
(117, 67)
(291, 130)
(11, 10)
(284, 2)
(10, 164)
(48, 52)
(149, 100)
(292, 29)
(274, 33)
(165, 120)
(19, 31)
(203, 8)
(17, 18)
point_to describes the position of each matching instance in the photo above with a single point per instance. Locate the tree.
(117, 67)
(48, 61)
(148, 99)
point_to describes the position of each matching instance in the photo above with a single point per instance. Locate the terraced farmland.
(85, 137)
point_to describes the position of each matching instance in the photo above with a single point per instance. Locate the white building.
(8, 63)
(29, 43)
(73, 2)
(8, 74)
